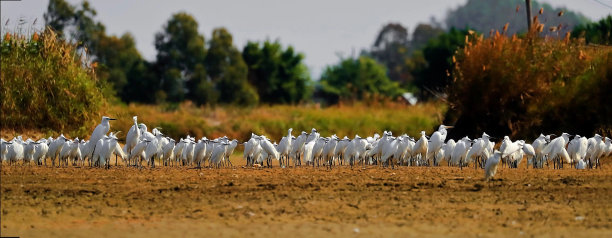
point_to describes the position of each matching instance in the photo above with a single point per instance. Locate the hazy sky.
(321, 29)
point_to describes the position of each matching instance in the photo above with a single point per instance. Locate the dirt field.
(304, 202)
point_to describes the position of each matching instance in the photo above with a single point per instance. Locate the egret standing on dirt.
(556, 151)
(98, 133)
(436, 141)
(284, 147)
(491, 165)
(133, 136)
(421, 147)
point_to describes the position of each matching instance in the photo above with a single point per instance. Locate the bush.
(525, 86)
(47, 84)
(273, 121)
(595, 32)
(352, 79)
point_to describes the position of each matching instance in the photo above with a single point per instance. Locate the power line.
(602, 3)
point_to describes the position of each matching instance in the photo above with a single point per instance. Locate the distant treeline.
(544, 80)
(211, 70)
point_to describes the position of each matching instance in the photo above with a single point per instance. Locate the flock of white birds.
(308, 149)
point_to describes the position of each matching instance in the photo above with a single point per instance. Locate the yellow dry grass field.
(304, 202)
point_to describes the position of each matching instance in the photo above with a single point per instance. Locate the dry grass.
(273, 121)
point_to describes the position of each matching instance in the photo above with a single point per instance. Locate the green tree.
(228, 70)
(118, 60)
(392, 49)
(353, 78)
(279, 75)
(180, 48)
(422, 34)
(438, 53)
(59, 15)
(597, 33)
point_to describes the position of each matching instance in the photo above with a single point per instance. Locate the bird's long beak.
(112, 119)
(449, 127)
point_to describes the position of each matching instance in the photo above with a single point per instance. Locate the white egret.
(538, 145)
(421, 148)
(329, 150)
(284, 148)
(137, 152)
(40, 151)
(270, 149)
(529, 151)
(556, 150)
(341, 148)
(449, 147)
(200, 152)
(491, 165)
(168, 151)
(297, 147)
(460, 151)
(436, 141)
(98, 133)
(230, 150)
(218, 154)
(15, 150)
(596, 150)
(577, 148)
(132, 137)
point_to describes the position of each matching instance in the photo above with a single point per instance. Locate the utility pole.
(528, 3)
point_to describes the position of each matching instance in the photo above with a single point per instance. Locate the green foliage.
(46, 85)
(523, 87)
(422, 34)
(597, 32)
(487, 15)
(392, 49)
(119, 62)
(438, 52)
(59, 15)
(279, 75)
(354, 78)
(180, 48)
(403, 58)
(228, 71)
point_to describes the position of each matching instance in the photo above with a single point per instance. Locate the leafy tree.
(353, 78)
(422, 34)
(279, 75)
(391, 48)
(228, 70)
(87, 32)
(597, 32)
(59, 15)
(180, 48)
(142, 84)
(438, 54)
(486, 15)
(118, 60)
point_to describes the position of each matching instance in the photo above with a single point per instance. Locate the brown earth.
(304, 202)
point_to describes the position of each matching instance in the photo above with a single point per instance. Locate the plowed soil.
(304, 202)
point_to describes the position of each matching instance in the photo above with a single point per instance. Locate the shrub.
(525, 86)
(47, 84)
